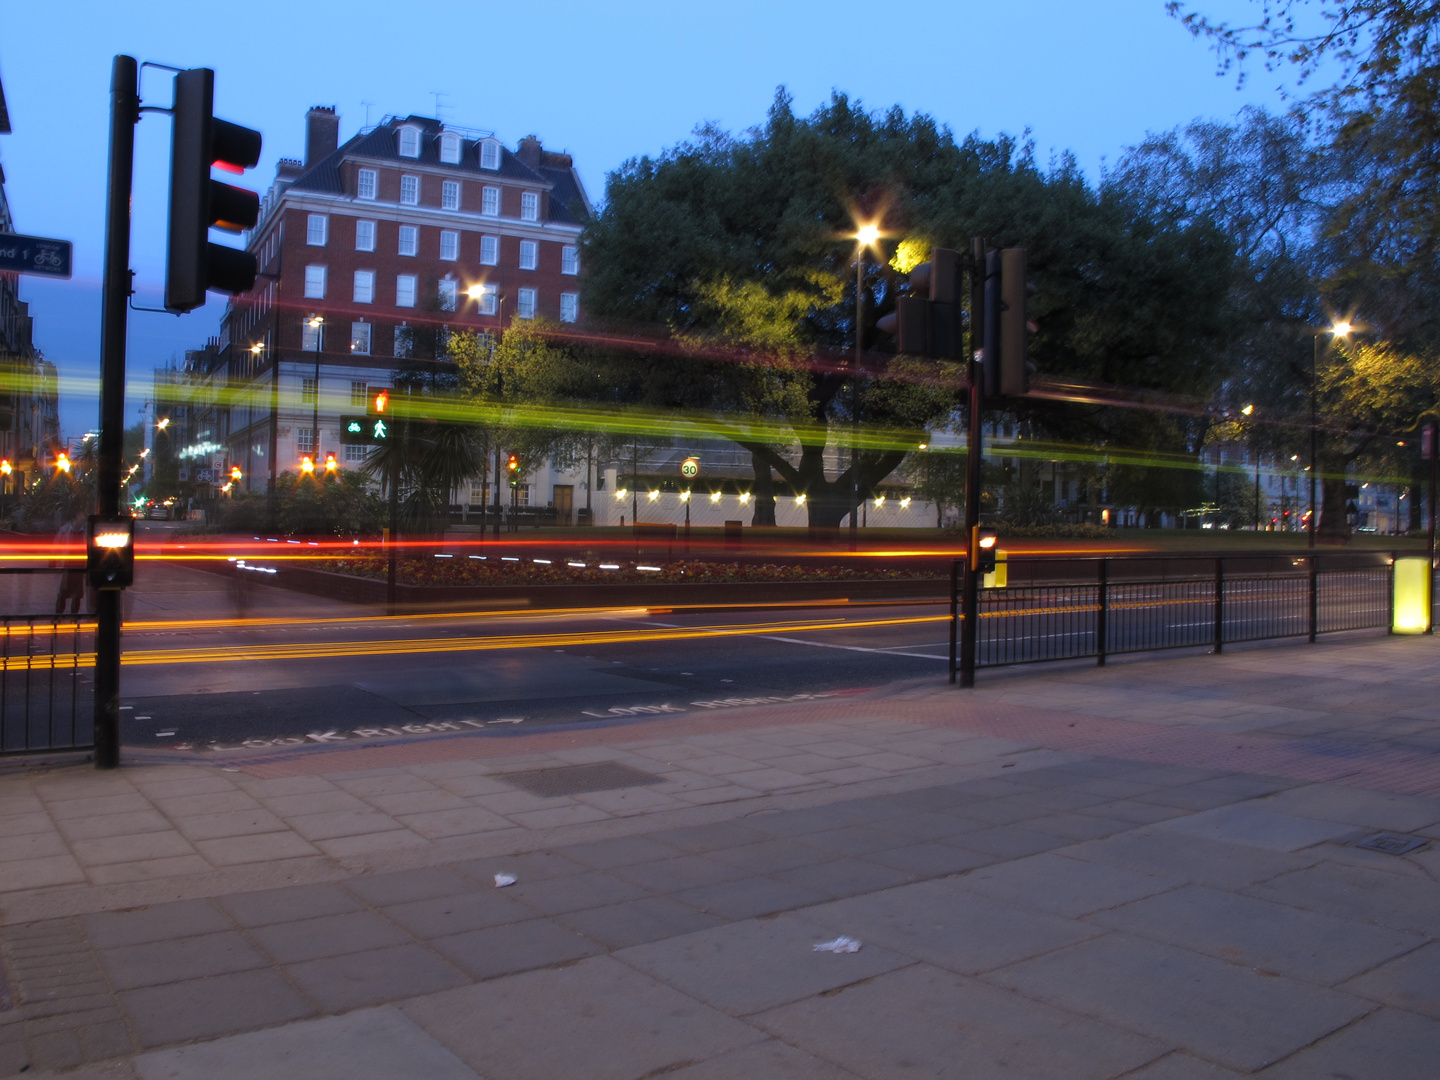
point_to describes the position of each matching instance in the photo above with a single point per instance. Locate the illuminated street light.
(330, 464)
(63, 463)
(162, 423)
(307, 465)
(1338, 329)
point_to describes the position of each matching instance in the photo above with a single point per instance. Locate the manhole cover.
(576, 779)
(1392, 843)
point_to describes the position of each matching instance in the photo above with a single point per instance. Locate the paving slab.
(1388, 1045)
(922, 1021)
(600, 1019)
(1260, 934)
(1409, 982)
(368, 1044)
(1221, 1012)
(1070, 887)
(757, 964)
(944, 923)
(1404, 901)
(772, 1060)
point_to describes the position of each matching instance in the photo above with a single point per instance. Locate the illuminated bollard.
(1411, 605)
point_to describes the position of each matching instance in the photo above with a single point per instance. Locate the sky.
(605, 82)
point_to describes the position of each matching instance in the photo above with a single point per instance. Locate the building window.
(490, 154)
(365, 184)
(364, 286)
(488, 302)
(450, 148)
(364, 236)
(359, 394)
(404, 337)
(305, 440)
(410, 190)
(529, 254)
(522, 494)
(310, 335)
(529, 206)
(409, 239)
(405, 290)
(315, 282)
(410, 142)
(360, 338)
(525, 304)
(569, 307)
(450, 195)
(489, 251)
(477, 492)
(315, 229)
(490, 202)
(570, 259)
(449, 245)
(307, 391)
(447, 295)
(356, 451)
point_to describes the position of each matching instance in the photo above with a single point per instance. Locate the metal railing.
(46, 689)
(1109, 606)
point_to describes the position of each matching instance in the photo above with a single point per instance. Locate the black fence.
(46, 683)
(1077, 608)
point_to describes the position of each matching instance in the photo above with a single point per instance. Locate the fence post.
(1315, 597)
(1219, 606)
(1102, 613)
(954, 612)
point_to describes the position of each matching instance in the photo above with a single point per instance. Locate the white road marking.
(854, 648)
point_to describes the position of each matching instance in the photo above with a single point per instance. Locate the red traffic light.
(379, 401)
(513, 463)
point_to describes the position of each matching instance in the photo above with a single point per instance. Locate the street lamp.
(865, 237)
(1249, 410)
(1339, 329)
(317, 323)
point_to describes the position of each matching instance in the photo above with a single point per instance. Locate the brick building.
(410, 225)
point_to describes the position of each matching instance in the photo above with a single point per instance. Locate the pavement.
(1148, 870)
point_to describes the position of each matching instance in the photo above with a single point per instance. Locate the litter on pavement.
(501, 880)
(839, 945)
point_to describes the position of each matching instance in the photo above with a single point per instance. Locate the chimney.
(322, 133)
(288, 169)
(529, 152)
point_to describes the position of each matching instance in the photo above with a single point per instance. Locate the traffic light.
(110, 551)
(330, 463)
(984, 549)
(927, 321)
(235, 473)
(378, 401)
(1007, 366)
(198, 203)
(512, 467)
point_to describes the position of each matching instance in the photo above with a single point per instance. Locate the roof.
(567, 202)
(4, 113)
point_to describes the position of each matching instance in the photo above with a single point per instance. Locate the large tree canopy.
(743, 247)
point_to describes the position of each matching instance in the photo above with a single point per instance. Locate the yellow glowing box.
(1412, 596)
(999, 578)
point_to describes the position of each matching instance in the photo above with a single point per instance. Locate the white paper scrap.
(839, 945)
(501, 880)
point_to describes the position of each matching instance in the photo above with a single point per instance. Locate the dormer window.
(450, 148)
(490, 154)
(410, 142)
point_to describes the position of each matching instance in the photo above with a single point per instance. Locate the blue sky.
(605, 82)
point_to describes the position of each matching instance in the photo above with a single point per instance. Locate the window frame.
(367, 178)
(489, 196)
(570, 300)
(493, 243)
(412, 181)
(412, 232)
(414, 284)
(317, 224)
(449, 290)
(359, 393)
(405, 136)
(570, 259)
(526, 298)
(450, 148)
(316, 272)
(529, 206)
(529, 255)
(489, 148)
(368, 277)
(368, 336)
(452, 237)
(450, 195)
(360, 224)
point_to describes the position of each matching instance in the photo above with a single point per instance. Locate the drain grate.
(1392, 843)
(577, 779)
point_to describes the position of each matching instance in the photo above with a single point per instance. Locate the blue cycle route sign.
(34, 255)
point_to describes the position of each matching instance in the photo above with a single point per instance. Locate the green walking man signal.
(365, 430)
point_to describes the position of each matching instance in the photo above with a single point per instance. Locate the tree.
(743, 248)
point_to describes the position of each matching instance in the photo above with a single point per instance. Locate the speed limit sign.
(690, 468)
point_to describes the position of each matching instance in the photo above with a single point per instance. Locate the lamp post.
(1339, 329)
(1249, 410)
(865, 237)
(317, 323)
(478, 292)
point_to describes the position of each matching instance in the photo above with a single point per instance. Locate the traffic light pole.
(970, 590)
(115, 295)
